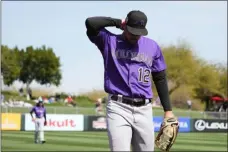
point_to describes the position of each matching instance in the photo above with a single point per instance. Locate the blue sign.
(184, 123)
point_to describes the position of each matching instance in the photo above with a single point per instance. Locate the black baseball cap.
(136, 23)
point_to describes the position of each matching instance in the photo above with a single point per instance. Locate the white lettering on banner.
(183, 124)
(58, 122)
(157, 125)
(201, 125)
(100, 123)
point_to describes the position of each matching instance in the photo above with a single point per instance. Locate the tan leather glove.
(167, 134)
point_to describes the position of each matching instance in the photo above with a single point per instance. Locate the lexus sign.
(209, 125)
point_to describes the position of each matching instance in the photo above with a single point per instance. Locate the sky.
(61, 26)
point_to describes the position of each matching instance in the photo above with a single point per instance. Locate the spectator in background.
(105, 99)
(189, 103)
(57, 97)
(70, 101)
(158, 101)
(2, 98)
(51, 100)
(98, 107)
(30, 93)
(21, 91)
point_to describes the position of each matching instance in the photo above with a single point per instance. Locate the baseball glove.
(167, 134)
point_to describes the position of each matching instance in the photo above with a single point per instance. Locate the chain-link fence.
(91, 111)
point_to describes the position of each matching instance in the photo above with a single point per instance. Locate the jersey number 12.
(144, 75)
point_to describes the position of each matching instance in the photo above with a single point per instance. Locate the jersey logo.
(134, 56)
(142, 57)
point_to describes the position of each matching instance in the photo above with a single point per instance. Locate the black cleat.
(42, 142)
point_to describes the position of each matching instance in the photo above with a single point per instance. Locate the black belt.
(131, 101)
(39, 117)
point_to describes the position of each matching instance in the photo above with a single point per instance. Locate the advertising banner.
(58, 122)
(184, 123)
(96, 123)
(10, 121)
(209, 125)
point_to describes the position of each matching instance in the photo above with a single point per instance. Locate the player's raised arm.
(96, 24)
(96, 31)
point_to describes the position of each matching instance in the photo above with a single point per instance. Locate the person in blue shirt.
(40, 121)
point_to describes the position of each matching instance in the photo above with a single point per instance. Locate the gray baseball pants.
(129, 127)
(39, 129)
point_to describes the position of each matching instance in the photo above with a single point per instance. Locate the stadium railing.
(91, 111)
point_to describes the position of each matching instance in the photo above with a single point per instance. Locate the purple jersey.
(39, 111)
(127, 67)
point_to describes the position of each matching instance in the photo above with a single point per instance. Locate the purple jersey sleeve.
(101, 39)
(158, 60)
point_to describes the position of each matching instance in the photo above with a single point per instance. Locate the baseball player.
(39, 120)
(130, 59)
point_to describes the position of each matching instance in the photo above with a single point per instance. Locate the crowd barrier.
(77, 122)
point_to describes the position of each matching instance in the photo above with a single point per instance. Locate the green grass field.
(98, 141)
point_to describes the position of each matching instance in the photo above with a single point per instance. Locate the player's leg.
(143, 129)
(118, 126)
(42, 130)
(36, 131)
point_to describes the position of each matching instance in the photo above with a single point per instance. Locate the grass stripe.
(206, 142)
(197, 148)
(198, 136)
(63, 136)
(64, 141)
(87, 139)
(45, 147)
(61, 133)
(98, 141)
(104, 137)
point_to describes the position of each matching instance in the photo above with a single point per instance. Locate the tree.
(208, 82)
(41, 65)
(181, 66)
(222, 70)
(49, 67)
(10, 69)
(223, 83)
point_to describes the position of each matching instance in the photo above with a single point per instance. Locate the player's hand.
(45, 123)
(169, 114)
(33, 119)
(123, 24)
